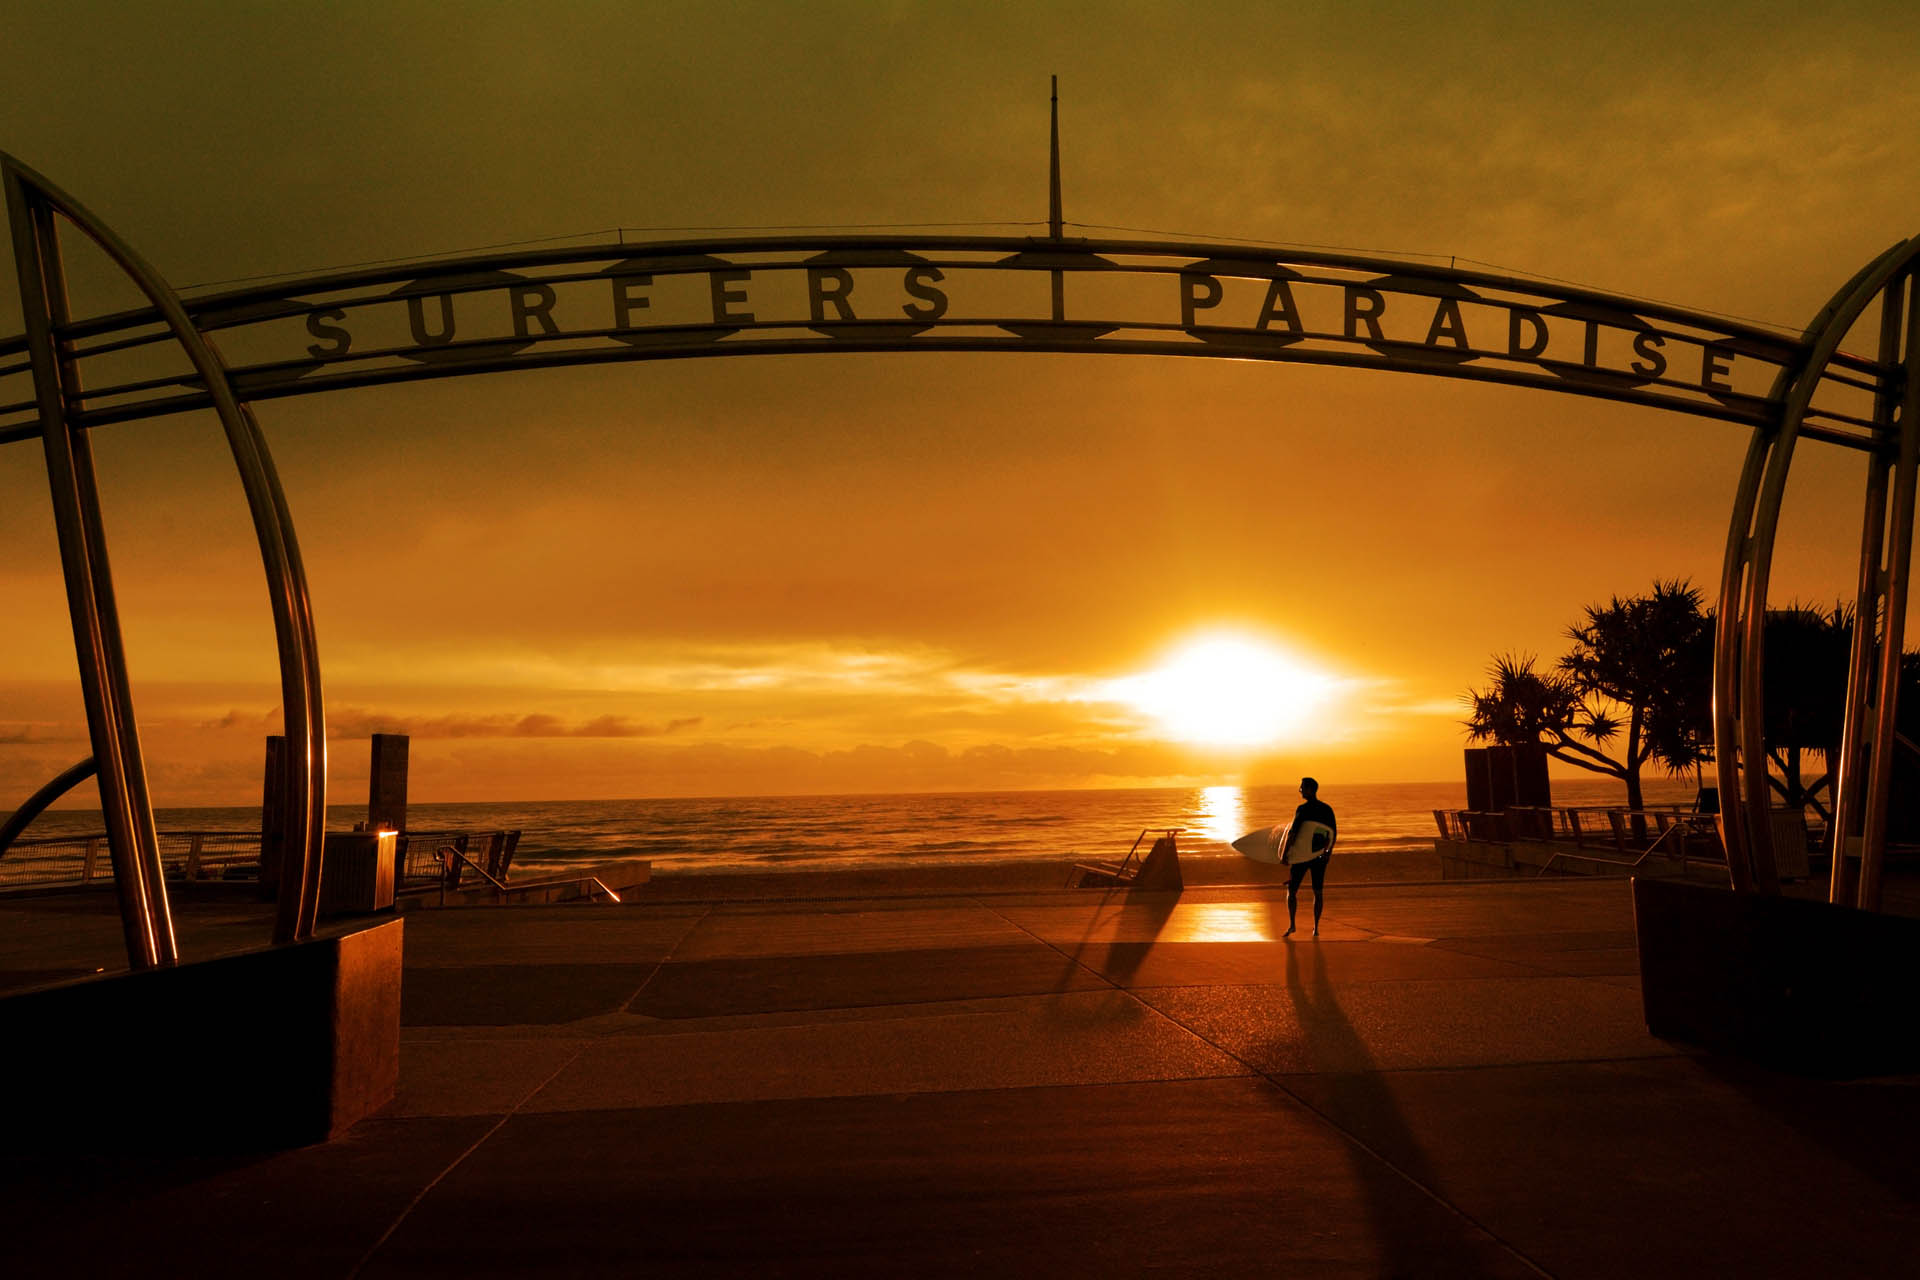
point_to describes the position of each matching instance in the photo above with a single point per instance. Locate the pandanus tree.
(1806, 691)
(1635, 688)
(1807, 651)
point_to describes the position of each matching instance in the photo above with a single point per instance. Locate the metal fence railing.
(420, 865)
(1599, 835)
(80, 860)
(1610, 829)
(61, 861)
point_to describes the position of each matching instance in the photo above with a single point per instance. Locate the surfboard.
(1263, 845)
(1271, 844)
(1308, 840)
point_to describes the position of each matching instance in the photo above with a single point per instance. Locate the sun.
(1229, 690)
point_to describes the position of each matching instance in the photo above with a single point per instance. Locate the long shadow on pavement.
(1317, 1006)
(1150, 910)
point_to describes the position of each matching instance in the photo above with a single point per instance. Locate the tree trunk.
(1634, 802)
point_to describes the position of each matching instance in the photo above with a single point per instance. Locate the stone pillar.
(387, 783)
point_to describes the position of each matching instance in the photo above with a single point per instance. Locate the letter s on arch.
(339, 340)
(919, 282)
(1652, 364)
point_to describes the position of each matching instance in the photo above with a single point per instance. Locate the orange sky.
(920, 571)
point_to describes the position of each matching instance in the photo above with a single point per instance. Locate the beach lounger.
(1159, 871)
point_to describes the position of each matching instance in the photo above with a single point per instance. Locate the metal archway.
(59, 389)
(620, 301)
(1865, 767)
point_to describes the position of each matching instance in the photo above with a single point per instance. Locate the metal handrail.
(1683, 856)
(446, 851)
(1612, 862)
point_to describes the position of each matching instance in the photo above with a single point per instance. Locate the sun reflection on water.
(1222, 815)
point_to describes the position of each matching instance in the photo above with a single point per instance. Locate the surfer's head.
(1308, 787)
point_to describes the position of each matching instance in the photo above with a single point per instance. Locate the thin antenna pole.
(1053, 205)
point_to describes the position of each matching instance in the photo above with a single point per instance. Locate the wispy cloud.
(810, 667)
(355, 723)
(358, 722)
(37, 733)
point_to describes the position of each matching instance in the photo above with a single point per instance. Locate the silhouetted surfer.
(1308, 849)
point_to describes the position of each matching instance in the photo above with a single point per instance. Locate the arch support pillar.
(126, 810)
(1862, 794)
(32, 206)
(1864, 791)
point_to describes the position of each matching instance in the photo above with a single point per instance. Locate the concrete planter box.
(258, 1051)
(1802, 986)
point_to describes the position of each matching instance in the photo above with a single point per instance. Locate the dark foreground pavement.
(1453, 1080)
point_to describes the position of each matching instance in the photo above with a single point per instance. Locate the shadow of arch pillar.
(1862, 795)
(32, 206)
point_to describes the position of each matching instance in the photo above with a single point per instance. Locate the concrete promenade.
(1452, 1080)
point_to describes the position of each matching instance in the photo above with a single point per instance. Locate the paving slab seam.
(1073, 959)
(1347, 1134)
(663, 961)
(1277, 1081)
(930, 1091)
(869, 900)
(1460, 1068)
(1131, 994)
(1546, 969)
(457, 1161)
(1431, 1193)
(634, 1026)
(525, 1098)
(926, 895)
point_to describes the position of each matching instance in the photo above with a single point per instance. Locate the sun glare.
(1229, 691)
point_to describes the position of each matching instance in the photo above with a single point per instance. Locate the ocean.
(773, 832)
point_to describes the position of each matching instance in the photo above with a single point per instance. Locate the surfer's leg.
(1319, 878)
(1295, 874)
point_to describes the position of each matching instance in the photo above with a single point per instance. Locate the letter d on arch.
(1526, 333)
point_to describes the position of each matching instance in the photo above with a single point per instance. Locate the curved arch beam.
(1865, 767)
(126, 811)
(619, 302)
(303, 712)
(1739, 655)
(61, 783)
